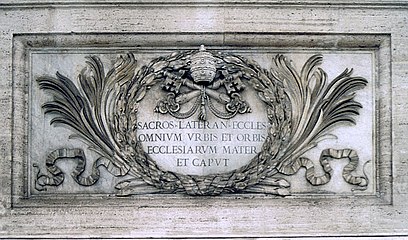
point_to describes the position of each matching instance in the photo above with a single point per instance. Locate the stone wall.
(40, 38)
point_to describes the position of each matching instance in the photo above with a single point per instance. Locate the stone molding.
(377, 215)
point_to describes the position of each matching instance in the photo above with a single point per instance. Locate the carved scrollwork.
(301, 108)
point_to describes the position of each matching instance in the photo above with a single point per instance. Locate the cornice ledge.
(206, 3)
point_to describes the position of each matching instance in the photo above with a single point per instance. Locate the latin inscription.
(196, 147)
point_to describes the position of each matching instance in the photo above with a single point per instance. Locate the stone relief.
(104, 110)
(203, 69)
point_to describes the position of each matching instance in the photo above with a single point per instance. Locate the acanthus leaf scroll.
(102, 109)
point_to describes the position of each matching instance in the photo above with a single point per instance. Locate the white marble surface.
(375, 25)
(187, 148)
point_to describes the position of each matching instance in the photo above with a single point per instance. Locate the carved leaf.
(316, 105)
(74, 110)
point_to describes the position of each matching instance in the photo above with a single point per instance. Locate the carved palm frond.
(71, 108)
(316, 105)
(92, 84)
(88, 108)
(80, 107)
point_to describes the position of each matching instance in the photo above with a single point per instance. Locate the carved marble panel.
(184, 120)
(117, 124)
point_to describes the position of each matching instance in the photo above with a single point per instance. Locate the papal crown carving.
(203, 66)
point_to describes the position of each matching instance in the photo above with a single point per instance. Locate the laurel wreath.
(259, 167)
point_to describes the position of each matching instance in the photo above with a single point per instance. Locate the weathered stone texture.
(104, 24)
